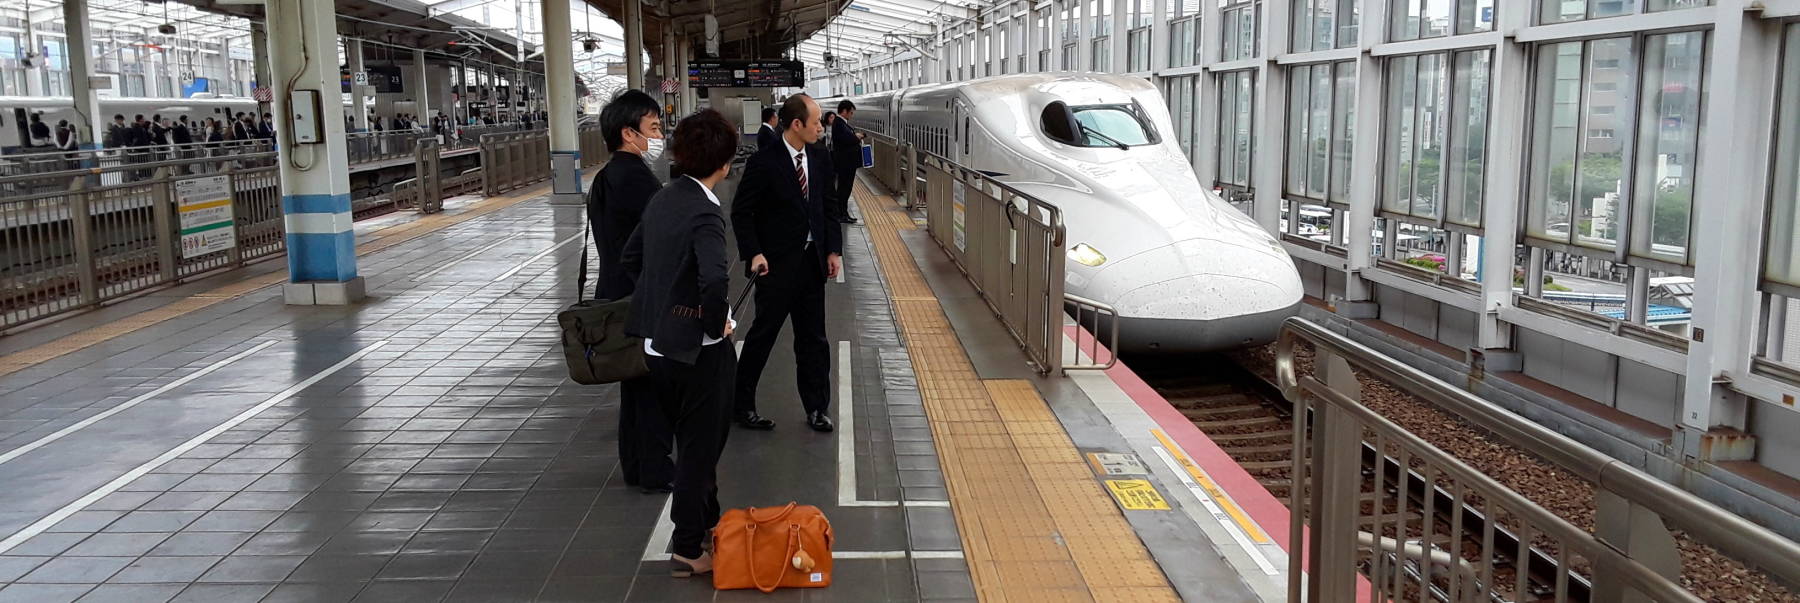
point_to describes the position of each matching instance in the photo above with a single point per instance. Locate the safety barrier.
(593, 146)
(1355, 472)
(512, 160)
(896, 164)
(1009, 245)
(1096, 324)
(82, 246)
(367, 147)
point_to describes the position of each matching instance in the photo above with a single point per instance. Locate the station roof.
(407, 23)
(878, 27)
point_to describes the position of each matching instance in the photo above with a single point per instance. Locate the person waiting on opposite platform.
(780, 219)
(632, 127)
(677, 256)
(767, 136)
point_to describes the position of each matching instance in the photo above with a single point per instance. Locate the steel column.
(1270, 121)
(81, 69)
(359, 112)
(315, 182)
(634, 44)
(559, 68)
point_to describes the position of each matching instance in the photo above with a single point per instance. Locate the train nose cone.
(1202, 294)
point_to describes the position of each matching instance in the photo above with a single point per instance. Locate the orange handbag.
(766, 549)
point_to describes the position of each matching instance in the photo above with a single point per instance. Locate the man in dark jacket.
(116, 134)
(767, 136)
(679, 261)
(40, 131)
(616, 202)
(846, 158)
(779, 216)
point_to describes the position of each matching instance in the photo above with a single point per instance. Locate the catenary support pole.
(559, 68)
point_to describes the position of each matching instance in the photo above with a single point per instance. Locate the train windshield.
(1118, 125)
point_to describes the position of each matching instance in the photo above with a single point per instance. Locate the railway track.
(1250, 420)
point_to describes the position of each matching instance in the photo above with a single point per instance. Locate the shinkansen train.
(15, 112)
(1183, 269)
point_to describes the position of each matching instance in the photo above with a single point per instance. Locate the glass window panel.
(1468, 138)
(1474, 16)
(1347, 19)
(1597, 182)
(1300, 86)
(1405, 24)
(1610, 8)
(1343, 130)
(1429, 136)
(1235, 100)
(1662, 5)
(1319, 133)
(1434, 19)
(1782, 256)
(1558, 11)
(1668, 140)
(1403, 76)
(1556, 132)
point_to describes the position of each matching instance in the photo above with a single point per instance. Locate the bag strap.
(587, 223)
(792, 545)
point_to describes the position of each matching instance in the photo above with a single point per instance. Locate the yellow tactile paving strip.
(1036, 526)
(384, 238)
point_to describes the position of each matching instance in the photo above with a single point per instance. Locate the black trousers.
(840, 204)
(645, 440)
(696, 402)
(794, 286)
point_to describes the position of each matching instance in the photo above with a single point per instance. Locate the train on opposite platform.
(15, 112)
(1184, 271)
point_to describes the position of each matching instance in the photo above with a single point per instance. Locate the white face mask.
(653, 148)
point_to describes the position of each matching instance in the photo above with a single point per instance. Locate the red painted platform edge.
(1263, 508)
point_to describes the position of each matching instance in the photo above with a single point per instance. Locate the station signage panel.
(747, 74)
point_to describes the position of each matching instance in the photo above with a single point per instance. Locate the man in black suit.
(846, 158)
(767, 136)
(779, 216)
(677, 256)
(631, 125)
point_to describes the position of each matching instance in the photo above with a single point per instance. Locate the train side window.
(965, 136)
(1059, 123)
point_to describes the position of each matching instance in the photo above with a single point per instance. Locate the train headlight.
(1087, 255)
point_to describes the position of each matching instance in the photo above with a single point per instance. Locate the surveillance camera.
(167, 29)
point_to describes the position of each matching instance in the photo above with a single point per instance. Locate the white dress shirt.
(704, 340)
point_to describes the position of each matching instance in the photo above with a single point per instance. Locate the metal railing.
(896, 166)
(96, 167)
(1010, 246)
(368, 147)
(1354, 469)
(62, 250)
(593, 146)
(512, 160)
(1095, 322)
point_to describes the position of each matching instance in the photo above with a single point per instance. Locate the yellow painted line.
(1212, 489)
(386, 237)
(1137, 495)
(206, 205)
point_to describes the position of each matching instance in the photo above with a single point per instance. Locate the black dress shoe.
(818, 421)
(847, 220)
(751, 420)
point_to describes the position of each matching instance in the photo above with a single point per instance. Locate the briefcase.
(593, 336)
(767, 549)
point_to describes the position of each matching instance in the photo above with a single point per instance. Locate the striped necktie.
(800, 172)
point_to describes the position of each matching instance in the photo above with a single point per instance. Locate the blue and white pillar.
(315, 171)
(559, 70)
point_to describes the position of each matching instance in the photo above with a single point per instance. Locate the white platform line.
(1237, 534)
(657, 549)
(846, 441)
(466, 256)
(533, 259)
(82, 424)
(40, 525)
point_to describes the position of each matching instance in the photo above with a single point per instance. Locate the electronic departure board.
(746, 74)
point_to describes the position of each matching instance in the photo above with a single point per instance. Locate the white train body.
(1184, 270)
(57, 108)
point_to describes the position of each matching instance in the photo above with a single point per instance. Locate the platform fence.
(1009, 245)
(512, 160)
(1385, 515)
(896, 166)
(82, 246)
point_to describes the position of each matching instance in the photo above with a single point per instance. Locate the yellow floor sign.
(1137, 495)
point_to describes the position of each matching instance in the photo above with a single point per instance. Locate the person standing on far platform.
(767, 136)
(677, 257)
(781, 222)
(632, 127)
(846, 158)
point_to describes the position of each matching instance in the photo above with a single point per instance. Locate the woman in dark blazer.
(677, 257)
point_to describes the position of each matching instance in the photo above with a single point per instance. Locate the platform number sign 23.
(204, 205)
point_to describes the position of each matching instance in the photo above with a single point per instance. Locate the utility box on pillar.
(315, 173)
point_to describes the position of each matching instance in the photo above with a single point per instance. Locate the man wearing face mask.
(632, 127)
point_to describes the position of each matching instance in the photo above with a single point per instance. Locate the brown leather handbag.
(766, 549)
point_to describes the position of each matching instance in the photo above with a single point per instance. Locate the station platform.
(207, 442)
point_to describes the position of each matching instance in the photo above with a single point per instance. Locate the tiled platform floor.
(424, 446)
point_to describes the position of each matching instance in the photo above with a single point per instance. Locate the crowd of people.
(664, 246)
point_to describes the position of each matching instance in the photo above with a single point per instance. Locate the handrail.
(1738, 537)
(129, 167)
(1084, 307)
